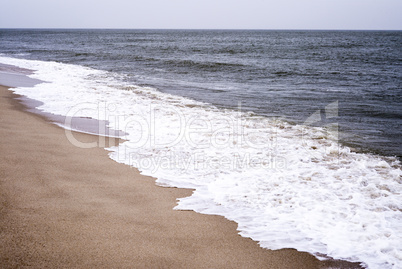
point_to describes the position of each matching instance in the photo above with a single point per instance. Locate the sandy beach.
(67, 207)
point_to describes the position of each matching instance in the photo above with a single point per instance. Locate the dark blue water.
(289, 74)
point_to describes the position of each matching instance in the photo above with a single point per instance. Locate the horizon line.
(192, 29)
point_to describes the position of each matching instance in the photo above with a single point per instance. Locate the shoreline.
(62, 206)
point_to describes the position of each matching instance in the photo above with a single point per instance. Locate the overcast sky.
(202, 14)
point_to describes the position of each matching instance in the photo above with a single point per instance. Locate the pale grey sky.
(203, 14)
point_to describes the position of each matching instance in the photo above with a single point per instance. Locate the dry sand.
(67, 207)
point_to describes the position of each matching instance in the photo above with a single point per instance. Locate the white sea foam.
(287, 186)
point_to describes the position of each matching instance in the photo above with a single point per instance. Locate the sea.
(294, 135)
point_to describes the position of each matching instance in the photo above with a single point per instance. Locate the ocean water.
(295, 135)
